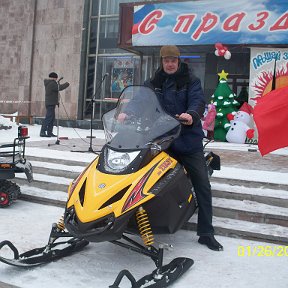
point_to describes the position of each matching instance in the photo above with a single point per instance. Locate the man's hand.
(121, 117)
(185, 118)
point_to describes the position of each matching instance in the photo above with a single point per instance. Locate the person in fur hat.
(181, 95)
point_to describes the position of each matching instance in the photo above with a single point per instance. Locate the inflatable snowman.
(239, 129)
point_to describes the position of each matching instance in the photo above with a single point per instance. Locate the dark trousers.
(196, 167)
(48, 123)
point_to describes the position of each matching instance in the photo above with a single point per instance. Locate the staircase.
(249, 211)
(51, 180)
(244, 209)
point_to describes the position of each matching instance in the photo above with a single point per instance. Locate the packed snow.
(28, 225)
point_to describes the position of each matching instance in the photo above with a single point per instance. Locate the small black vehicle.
(12, 160)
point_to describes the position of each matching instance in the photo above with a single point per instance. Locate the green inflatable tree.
(224, 100)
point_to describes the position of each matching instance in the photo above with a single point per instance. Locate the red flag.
(271, 118)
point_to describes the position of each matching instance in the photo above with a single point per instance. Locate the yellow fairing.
(100, 187)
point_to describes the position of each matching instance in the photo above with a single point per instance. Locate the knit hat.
(53, 75)
(169, 51)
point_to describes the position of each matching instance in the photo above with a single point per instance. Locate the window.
(105, 57)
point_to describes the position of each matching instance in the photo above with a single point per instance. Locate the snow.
(247, 190)
(251, 175)
(249, 206)
(101, 262)
(28, 225)
(56, 195)
(47, 165)
(47, 178)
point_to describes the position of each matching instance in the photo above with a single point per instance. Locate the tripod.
(90, 149)
(91, 104)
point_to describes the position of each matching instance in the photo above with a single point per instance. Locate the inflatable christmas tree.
(224, 100)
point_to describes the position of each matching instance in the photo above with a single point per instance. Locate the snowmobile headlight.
(120, 160)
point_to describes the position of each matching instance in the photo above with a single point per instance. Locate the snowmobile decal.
(137, 193)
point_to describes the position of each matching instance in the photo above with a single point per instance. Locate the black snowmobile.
(133, 188)
(12, 160)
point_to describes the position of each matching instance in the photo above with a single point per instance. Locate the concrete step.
(42, 196)
(251, 178)
(246, 209)
(245, 229)
(67, 162)
(45, 182)
(263, 195)
(58, 156)
(53, 172)
(254, 226)
(5, 285)
(250, 211)
(66, 170)
(249, 183)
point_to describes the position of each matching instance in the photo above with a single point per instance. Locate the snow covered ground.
(34, 130)
(28, 225)
(71, 133)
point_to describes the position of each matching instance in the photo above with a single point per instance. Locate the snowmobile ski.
(52, 251)
(163, 275)
(160, 277)
(43, 255)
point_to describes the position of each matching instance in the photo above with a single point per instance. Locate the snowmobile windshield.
(139, 121)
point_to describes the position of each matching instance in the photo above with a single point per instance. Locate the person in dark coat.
(181, 95)
(52, 88)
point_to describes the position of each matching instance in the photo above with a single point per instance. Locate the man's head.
(170, 58)
(53, 75)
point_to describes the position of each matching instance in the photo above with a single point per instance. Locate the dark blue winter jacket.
(179, 93)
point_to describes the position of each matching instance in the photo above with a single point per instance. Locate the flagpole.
(274, 76)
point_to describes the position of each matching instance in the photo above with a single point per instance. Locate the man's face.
(170, 64)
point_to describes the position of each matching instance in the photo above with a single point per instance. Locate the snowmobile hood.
(99, 194)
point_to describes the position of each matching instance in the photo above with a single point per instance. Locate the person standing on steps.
(52, 88)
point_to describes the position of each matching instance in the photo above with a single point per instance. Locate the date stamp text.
(263, 251)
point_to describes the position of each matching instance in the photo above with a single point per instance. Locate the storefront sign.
(208, 22)
(262, 63)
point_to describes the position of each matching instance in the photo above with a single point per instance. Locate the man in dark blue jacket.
(52, 88)
(181, 95)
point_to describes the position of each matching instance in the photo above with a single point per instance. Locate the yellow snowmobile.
(133, 187)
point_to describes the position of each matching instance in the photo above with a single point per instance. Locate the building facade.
(92, 44)
(37, 37)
